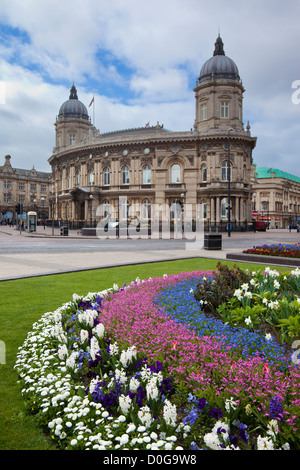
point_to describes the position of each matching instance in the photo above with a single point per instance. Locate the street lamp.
(228, 179)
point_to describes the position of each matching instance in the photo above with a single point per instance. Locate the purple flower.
(276, 409)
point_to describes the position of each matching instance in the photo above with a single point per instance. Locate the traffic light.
(19, 208)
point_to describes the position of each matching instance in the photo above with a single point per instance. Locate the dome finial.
(219, 46)
(73, 93)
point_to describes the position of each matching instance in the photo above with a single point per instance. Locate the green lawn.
(22, 302)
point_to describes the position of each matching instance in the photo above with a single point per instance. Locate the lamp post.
(228, 179)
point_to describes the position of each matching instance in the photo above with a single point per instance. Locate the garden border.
(267, 260)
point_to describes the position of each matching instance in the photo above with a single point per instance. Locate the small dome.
(219, 66)
(73, 108)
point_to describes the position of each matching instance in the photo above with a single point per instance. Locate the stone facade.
(276, 197)
(152, 165)
(27, 187)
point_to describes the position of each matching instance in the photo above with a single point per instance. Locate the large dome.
(219, 66)
(73, 108)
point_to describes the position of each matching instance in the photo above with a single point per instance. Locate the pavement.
(21, 254)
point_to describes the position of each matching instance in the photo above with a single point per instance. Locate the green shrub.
(220, 287)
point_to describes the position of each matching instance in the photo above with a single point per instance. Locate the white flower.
(99, 330)
(264, 443)
(268, 337)
(170, 413)
(125, 403)
(248, 320)
(94, 347)
(84, 335)
(230, 404)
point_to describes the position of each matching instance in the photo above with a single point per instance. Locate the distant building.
(27, 187)
(152, 165)
(276, 197)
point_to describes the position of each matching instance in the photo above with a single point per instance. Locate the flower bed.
(143, 367)
(288, 250)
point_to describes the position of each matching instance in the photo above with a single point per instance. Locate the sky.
(140, 60)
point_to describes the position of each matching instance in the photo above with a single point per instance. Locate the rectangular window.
(203, 112)
(21, 198)
(7, 184)
(224, 109)
(33, 187)
(7, 198)
(21, 186)
(43, 188)
(72, 139)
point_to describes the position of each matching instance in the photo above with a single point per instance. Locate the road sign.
(254, 213)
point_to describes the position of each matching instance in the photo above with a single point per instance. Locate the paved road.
(23, 255)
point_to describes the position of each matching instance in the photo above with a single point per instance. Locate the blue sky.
(141, 59)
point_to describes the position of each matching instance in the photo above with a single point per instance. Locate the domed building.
(151, 166)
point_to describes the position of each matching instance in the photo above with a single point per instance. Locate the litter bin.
(64, 231)
(212, 241)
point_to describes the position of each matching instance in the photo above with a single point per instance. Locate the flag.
(91, 102)
(148, 124)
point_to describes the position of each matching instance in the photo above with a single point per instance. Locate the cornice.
(194, 137)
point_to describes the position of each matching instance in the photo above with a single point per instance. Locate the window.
(91, 177)
(224, 208)
(44, 188)
(224, 109)
(72, 139)
(33, 187)
(21, 198)
(125, 175)
(146, 174)
(204, 210)
(203, 112)
(106, 206)
(146, 209)
(176, 209)
(21, 186)
(77, 181)
(204, 173)
(106, 174)
(124, 206)
(7, 198)
(226, 167)
(175, 173)
(68, 181)
(7, 185)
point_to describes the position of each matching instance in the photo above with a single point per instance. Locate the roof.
(73, 108)
(266, 172)
(219, 66)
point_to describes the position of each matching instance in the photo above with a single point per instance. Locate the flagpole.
(94, 111)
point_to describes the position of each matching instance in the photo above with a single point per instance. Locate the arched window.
(91, 177)
(106, 174)
(175, 173)
(146, 209)
(77, 178)
(226, 167)
(146, 174)
(204, 173)
(68, 181)
(125, 175)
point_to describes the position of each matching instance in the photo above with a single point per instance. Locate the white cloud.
(141, 59)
